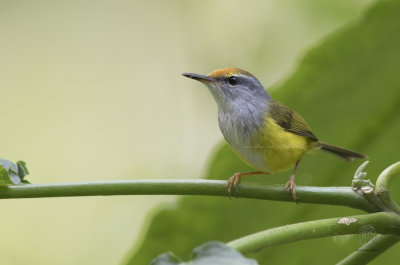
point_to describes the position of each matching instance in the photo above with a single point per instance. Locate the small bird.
(264, 133)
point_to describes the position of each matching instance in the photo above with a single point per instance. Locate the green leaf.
(348, 90)
(209, 253)
(166, 259)
(4, 177)
(22, 170)
(12, 174)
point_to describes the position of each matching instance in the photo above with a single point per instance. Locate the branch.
(344, 196)
(386, 177)
(370, 250)
(383, 223)
(382, 186)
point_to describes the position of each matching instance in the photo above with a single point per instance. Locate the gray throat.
(241, 119)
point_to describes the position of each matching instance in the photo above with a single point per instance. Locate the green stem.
(370, 250)
(319, 195)
(382, 186)
(383, 223)
(386, 177)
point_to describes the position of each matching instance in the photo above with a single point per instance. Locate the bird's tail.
(343, 153)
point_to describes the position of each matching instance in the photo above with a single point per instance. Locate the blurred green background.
(91, 90)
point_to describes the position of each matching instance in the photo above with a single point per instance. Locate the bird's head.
(232, 86)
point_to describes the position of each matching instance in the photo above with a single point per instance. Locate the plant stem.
(382, 186)
(386, 177)
(370, 250)
(383, 223)
(319, 195)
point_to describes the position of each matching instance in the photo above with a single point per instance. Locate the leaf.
(12, 174)
(22, 169)
(4, 177)
(209, 253)
(166, 259)
(348, 91)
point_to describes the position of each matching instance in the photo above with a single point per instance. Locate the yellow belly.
(279, 149)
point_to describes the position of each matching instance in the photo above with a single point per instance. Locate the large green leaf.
(348, 89)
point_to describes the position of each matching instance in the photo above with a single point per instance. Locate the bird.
(266, 134)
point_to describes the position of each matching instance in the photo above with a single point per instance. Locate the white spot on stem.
(347, 220)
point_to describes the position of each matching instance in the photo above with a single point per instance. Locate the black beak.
(201, 78)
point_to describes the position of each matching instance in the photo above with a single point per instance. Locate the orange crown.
(228, 72)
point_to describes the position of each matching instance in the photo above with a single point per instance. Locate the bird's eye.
(233, 80)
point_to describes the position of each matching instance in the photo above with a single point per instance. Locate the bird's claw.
(292, 186)
(233, 181)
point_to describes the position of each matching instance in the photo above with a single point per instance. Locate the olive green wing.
(289, 120)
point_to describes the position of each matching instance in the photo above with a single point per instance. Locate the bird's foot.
(233, 181)
(292, 186)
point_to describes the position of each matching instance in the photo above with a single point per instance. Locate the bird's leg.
(235, 179)
(291, 184)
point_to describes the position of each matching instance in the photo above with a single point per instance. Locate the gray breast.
(239, 125)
